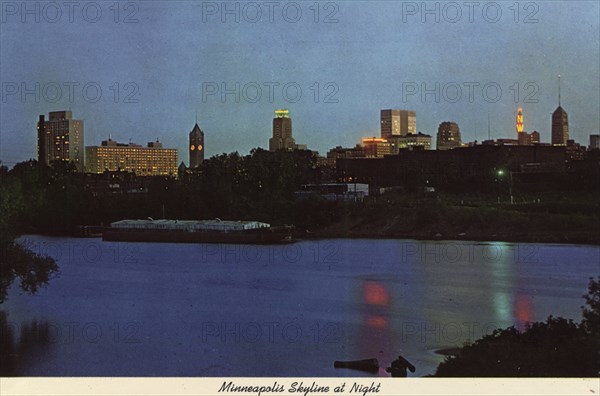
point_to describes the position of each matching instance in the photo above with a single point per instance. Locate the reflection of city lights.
(524, 310)
(376, 321)
(376, 334)
(501, 274)
(376, 294)
(502, 306)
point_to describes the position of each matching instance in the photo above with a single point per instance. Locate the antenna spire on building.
(559, 89)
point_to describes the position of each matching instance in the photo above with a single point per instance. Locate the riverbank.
(568, 223)
(569, 239)
(404, 224)
(556, 218)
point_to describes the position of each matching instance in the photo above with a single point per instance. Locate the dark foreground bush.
(555, 348)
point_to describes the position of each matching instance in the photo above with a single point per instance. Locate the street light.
(500, 173)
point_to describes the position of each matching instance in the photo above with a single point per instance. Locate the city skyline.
(480, 137)
(392, 142)
(172, 83)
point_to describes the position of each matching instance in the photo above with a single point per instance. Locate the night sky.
(361, 55)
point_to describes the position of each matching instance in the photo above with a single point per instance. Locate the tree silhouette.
(18, 196)
(555, 348)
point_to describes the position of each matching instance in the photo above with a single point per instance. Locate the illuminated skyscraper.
(282, 132)
(520, 120)
(398, 123)
(560, 124)
(60, 138)
(196, 148)
(523, 137)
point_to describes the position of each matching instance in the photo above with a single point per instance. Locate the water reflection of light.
(498, 254)
(376, 294)
(376, 335)
(502, 306)
(376, 321)
(524, 311)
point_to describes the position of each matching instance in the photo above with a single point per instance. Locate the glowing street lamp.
(501, 173)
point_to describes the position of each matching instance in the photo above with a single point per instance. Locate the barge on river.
(197, 231)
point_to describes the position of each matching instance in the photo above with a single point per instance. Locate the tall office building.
(196, 147)
(560, 127)
(448, 136)
(594, 142)
(519, 122)
(560, 124)
(398, 123)
(60, 138)
(522, 136)
(153, 160)
(282, 132)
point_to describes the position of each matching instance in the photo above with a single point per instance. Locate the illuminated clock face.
(192, 147)
(199, 147)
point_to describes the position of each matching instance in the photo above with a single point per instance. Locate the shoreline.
(493, 238)
(466, 238)
(322, 235)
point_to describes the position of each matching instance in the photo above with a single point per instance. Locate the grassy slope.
(562, 221)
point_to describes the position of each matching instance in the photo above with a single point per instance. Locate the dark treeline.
(258, 186)
(19, 195)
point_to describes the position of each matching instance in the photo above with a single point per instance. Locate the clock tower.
(196, 147)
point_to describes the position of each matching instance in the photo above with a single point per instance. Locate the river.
(142, 309)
